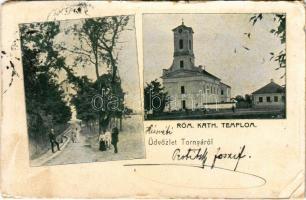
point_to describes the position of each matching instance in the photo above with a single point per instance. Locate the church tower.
(183, 57)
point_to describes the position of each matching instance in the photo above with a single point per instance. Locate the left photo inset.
(82, 90)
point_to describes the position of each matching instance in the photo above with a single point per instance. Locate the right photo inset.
(214, 66)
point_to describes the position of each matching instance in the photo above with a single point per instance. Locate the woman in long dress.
(102, 143)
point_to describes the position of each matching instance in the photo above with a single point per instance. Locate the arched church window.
(190, 44)
(181, 44)
(181, 64)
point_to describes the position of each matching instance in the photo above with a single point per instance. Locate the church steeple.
(183, 57)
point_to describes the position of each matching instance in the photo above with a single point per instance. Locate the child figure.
(102, 144)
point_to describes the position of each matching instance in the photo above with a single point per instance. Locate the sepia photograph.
(214, 66)
(82, 90)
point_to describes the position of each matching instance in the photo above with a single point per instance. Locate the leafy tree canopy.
(41, 62)
(155, 97)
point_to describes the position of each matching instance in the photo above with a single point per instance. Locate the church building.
(187, 85)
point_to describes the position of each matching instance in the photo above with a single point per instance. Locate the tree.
(85, 91)
(113, 98)
(97, 46)
(239, 98)
(280, 32)
(243, 102)
(44, 97)
(155, 98)
(248, 98)
(98, 39)
(99, 101)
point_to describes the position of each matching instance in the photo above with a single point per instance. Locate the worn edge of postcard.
(293, 189)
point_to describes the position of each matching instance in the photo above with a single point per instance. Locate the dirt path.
(130, 146)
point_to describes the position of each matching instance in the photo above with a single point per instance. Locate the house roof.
(194, 71)
(270, 88)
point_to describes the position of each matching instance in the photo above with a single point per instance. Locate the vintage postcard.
(165, 100)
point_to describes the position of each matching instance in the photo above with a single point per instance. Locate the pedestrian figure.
(75, 135)
(102, 143)
(233, 108)
(53, 141)
(72, 136)
(115, 138)
(108, 139)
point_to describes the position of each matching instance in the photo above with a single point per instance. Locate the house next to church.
(190, 86)
(270, 96)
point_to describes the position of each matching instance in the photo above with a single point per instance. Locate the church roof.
(209, 74)
(195, 71)
(225, 84)
(270, 88)
(182, 26)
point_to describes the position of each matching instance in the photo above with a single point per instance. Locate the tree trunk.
(99, 123)
(97, 66)
(114, 67)
(120, 123)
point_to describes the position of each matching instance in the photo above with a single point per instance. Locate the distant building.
(190, 86)
(271, 95)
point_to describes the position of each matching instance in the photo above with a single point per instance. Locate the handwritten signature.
(199, 154)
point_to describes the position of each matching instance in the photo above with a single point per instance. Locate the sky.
(127, 61)
(219, 42)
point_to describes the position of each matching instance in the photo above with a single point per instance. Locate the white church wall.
(197, 93)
